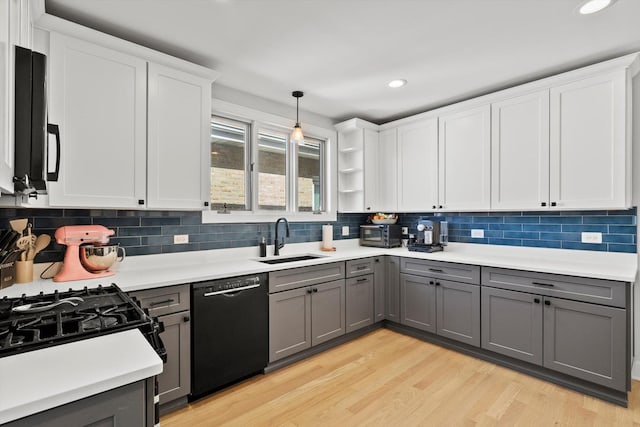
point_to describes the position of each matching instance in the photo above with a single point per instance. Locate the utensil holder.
(24, 271)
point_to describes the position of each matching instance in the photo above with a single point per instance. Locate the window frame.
(262, 120)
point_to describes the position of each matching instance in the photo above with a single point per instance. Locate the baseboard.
(635, 369)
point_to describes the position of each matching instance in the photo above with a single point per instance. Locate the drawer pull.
(361, 267)
(436, 270)
(165, 302)
(550, 285)
(364, 279)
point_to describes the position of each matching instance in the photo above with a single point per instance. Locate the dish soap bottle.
(263, 247)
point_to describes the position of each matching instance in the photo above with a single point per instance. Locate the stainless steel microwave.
(381, 236)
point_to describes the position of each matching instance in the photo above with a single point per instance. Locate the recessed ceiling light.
(397, 83)
(593, 6)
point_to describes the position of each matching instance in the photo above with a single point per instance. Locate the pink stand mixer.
(80, 240)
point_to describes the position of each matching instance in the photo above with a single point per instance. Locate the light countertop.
(153, 271)
(44, 387)
(43, 379)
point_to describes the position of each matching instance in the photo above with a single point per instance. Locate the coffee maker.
(432, 236)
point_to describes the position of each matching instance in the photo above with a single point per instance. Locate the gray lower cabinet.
(289, 322)
(379, 280)
(327, 311)
(512, 324)
(300, 318)
(359, 302)
(587, 341)
(129, 405)
(172, 307)
(392, 288)
(584, 340)
(418, 302)
(447, 308)
(458, 311)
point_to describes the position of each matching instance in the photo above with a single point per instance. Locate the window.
(256, 169)
(229, 161)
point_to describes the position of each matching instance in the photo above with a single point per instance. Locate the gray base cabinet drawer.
(166, 300)
(598, 291)
(358, 267)
(292, 278)
(359, 302)
(441, 270)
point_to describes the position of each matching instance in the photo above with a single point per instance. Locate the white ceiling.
(342, 53)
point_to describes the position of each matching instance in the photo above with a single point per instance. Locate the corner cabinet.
(134, 134)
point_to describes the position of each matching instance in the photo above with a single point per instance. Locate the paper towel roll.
(327, 236)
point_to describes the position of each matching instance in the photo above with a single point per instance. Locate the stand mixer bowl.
(96, 258)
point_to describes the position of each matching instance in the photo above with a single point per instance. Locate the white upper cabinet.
(418, 166)
(98, 99)
(134, 133)
(371, 160)
(179, 137)
(520, 152)
(589, 138)
(465, 163)
(386, 170)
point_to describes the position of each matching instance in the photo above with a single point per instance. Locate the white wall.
(286, 108)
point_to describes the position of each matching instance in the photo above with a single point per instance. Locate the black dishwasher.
(230, 331)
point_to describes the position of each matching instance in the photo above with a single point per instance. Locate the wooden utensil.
(19, 224)
(42, 242)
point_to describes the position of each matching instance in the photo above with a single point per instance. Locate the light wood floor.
(389, 379)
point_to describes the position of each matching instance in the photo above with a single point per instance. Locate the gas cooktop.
(34, 322)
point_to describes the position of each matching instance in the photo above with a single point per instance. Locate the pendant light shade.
(296, 134)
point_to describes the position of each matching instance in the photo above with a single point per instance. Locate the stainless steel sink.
(290, 259)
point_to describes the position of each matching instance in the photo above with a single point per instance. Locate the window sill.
(213, 217)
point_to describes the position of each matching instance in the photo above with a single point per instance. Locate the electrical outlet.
(405, 230)
(180, 239)
(477, 233)
(591, 237)
(345, 230)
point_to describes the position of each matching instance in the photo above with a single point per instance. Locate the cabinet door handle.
(309, 290)
(431, 282)
(440, 207)
(165, 302)
(433, 207)
(553, 203)
(549, 285)
(141, 201)
(315, 289)
(377, 259)
(536, 300)
(543, 204)
(437, 283)
(54, 130)
(547, 302)
(186, 318)
(206, 204)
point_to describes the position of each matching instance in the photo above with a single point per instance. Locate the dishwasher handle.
(231, 291)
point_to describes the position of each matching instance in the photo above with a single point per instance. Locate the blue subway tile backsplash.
(151, 232)
(542, 229)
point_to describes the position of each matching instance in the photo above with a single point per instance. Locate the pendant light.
(296, 134)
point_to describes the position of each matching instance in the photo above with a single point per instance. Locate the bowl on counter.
(96, 258)
(385, 221)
